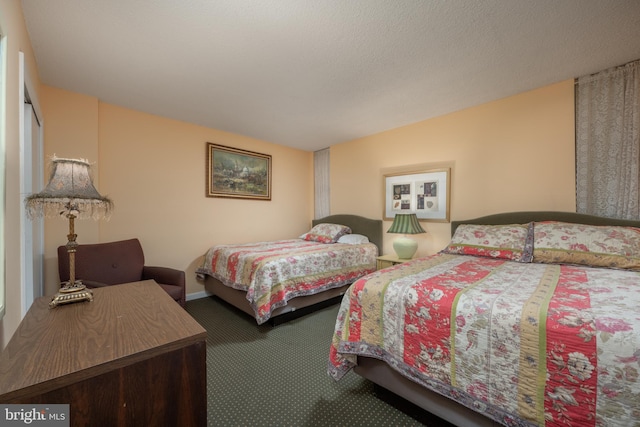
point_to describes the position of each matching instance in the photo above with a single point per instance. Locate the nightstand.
(385, 261)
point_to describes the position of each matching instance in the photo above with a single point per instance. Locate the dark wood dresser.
(131, 357)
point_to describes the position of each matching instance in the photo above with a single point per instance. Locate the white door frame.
(31, 167)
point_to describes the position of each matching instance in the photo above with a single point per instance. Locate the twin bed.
(269, 280)
(529, 318)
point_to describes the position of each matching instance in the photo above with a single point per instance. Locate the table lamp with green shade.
(405, 247)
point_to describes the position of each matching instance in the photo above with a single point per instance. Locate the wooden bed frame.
(384, 376)
(372, 228)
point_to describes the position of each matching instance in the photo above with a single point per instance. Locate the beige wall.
(154, 170)
(512, 154)
(13, 28)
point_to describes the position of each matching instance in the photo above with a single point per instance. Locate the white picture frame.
(425, 193)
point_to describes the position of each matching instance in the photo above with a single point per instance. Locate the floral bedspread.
(274, 272)
(524, 344)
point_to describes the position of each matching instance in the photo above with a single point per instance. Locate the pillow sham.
(511, 241)
(593, 245)
(353, 239)
(326, 233)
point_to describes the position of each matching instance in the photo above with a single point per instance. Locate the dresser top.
(121, 326)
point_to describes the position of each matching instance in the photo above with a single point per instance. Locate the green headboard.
(372, 228)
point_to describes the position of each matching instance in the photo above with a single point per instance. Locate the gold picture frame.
(423, 192)
(236, 173)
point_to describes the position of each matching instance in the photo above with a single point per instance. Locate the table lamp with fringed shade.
(70, 193)
(404, 246)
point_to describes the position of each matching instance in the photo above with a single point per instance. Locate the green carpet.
(276, 376)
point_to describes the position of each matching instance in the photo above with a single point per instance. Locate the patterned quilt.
(524, 344)
(274, 272)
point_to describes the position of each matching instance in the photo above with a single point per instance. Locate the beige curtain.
(608, 142)
(321, 183)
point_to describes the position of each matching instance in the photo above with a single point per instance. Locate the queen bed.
(269, 280)
(526, 318)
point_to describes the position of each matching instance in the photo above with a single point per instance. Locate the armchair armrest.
(164, 275)
(172, 280)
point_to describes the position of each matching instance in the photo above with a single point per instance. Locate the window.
(3, 103)
(321, 183)
(608, 142)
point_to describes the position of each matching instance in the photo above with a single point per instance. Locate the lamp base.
(70, 293)
(405, 247)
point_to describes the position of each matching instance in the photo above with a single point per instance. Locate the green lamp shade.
(405, 224)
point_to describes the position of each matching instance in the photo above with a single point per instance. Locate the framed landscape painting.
(236, 173)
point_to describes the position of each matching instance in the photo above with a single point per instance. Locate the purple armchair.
(112, 263)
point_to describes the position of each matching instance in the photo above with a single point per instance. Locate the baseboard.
(198, 295)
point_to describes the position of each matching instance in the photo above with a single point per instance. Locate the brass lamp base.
(70, 293)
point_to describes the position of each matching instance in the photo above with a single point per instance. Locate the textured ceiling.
(313, 73)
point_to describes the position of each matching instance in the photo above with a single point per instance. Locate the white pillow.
(353, 239)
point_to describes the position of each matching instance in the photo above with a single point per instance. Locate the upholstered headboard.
(372, 228)
(524, 217)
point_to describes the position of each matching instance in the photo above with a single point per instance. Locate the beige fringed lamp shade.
(70, 190)
(70, 193)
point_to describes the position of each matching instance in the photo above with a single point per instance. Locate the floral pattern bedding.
(523, 344)
(272, 273)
